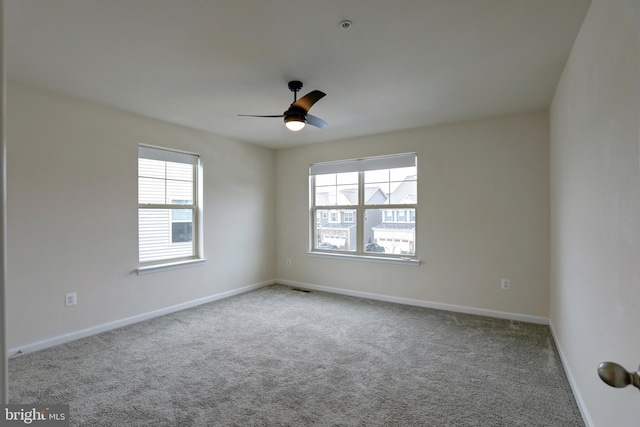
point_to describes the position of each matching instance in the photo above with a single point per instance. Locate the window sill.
(390, 260)
(172, 265)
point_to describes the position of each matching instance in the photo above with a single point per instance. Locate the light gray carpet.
(275, 357)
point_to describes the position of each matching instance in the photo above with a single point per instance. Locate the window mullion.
(394, 206)
(360, 214)
(165, 206)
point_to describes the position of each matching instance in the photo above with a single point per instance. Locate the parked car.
(325, 245)
(373, 247)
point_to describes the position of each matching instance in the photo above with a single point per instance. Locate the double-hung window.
(168, 206)
(365, 206)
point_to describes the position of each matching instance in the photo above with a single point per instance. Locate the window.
(167, 206)
(388, 215)
(370, 204)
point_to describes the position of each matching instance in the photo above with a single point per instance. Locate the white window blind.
(368, 164)
(152, 153)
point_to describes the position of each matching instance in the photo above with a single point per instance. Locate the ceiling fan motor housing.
(295, 85)
(295, 114)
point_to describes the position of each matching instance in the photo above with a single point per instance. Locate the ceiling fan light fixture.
(296, 116)
(294, 123)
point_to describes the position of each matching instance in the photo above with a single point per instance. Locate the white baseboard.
(72, 336)
(422, 303)
(572, 382)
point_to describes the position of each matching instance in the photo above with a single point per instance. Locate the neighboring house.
(339, 229)
(393, 229)
(338, 226)
(396, 237)
(397, 230)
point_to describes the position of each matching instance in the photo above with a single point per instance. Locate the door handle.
(616, 376)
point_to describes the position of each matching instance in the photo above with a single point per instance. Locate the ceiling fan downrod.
(295, 86)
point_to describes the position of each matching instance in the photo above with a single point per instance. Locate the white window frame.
(360, 166)
(166, 154)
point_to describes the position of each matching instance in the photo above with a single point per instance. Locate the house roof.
(402, 64)
(349, 196)
(369, 193)
(405, 192)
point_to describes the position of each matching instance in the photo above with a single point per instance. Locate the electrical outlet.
(70, 299)
(288, 263)
(505, 284)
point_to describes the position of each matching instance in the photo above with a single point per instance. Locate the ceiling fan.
(298, 113)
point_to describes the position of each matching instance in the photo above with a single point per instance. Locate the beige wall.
(483, 195)
(72, 216)
(595, 209)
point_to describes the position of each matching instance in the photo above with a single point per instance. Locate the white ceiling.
(199, 63)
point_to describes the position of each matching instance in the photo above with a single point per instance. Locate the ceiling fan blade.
(308, 100)
(251, 115)
(316, 121)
